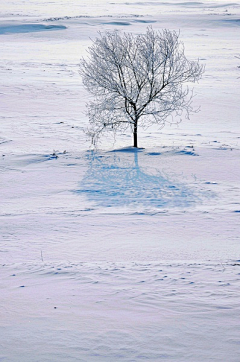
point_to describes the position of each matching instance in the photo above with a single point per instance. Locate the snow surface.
(116, 254)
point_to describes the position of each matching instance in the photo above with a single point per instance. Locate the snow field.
(112, 254)
(121, 311)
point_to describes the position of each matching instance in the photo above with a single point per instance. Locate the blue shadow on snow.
(116, 179)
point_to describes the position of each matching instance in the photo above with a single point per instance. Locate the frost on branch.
(137, 81)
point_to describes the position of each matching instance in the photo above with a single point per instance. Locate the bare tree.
(137, 80)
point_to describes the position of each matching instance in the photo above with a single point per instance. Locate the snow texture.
(117, 254)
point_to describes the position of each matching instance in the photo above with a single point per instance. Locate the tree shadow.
(116, 180)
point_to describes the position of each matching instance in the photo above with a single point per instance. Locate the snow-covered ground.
(115, 254)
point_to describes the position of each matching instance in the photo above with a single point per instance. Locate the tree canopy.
(137, 81)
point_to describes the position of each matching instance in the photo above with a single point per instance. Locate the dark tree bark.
(135, 142)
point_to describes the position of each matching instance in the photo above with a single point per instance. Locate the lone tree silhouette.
(137, 81)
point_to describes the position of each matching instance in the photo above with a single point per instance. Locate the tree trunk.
(135, 143)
